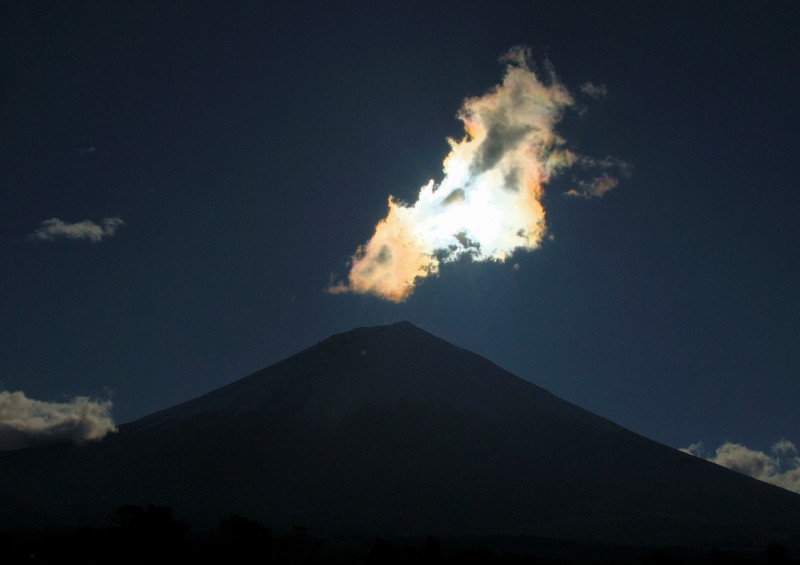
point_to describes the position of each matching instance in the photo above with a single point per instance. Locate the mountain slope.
(393, 431)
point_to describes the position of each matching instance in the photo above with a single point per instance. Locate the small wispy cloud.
(594, 90)
(602, 182)
(781, 467)
(54, 228)
(25, 422)
(594, 188)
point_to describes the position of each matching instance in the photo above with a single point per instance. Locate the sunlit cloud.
(489, 202)
(603, 181)
(594, 188)
(781, 467)
(54, 228)
(25, 422)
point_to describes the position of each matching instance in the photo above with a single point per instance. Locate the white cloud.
(25, 421)
(784, 447)
(781, 468)
(56, 229)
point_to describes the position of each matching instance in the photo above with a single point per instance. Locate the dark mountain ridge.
(367, 366)
(392, 431)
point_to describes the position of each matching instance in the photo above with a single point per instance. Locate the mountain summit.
(393, 431)
(371, 367)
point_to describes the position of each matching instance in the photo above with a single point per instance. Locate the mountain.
(392, 431)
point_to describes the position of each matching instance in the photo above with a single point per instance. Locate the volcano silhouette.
(392, 431)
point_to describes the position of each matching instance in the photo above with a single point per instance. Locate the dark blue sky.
(249, 149)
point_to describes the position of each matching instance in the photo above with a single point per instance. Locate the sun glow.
(488, 205)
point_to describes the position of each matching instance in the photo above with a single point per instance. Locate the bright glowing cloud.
(781, 468)
(25, 422)
(56, 229)
(489, 202)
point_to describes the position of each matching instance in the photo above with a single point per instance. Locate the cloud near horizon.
(54, 228)
(25, 422)
(489, 203)
(781, 468)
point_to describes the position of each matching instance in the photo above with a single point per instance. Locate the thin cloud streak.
(489, 203)
(25, 422)
(781, 468)
(54, 228)
(594, 90)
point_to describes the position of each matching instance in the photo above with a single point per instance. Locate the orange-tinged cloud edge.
(389, 264)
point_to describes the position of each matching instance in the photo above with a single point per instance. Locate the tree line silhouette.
(153, 535)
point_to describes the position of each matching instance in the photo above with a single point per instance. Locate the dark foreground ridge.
(395, 433)
(153, 535)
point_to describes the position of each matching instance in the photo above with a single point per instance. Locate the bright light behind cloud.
(25, 421)
(781, 467)
(488, 205)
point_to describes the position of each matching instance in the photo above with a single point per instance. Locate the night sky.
(240, 153)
